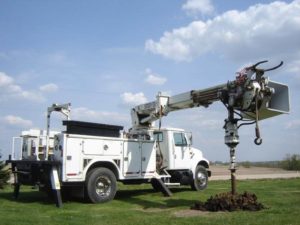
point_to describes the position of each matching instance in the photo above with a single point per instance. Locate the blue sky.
(107, 56)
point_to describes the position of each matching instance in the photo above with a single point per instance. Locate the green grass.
(141, 205)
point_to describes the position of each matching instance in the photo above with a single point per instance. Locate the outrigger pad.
(16, 190)
(58, 201)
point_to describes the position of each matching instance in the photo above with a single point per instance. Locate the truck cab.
(177, 156)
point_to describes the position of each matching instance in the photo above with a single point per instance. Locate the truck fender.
(203, 163)
(109, 164)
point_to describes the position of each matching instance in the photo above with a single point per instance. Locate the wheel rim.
(201, 179)
(103, 186)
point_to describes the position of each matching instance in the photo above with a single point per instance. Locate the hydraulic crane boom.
(250, 93)
(147, 113)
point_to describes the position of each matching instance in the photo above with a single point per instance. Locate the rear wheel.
(101, 185)
(201, 178)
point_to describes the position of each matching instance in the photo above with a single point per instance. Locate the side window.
(179, 139)
(158, 136)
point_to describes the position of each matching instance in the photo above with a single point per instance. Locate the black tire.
(101, 185)
(201, 179)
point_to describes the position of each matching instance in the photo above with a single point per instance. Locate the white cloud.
(31, 96)
(132, 99)
(85, 114)
(5, 80)
(195, 7)
(153, 78)
(58, 58)
(55, 58)
(294, 124)
(49, 87)
(263, 30)
(9, 89)
(211, 124)
(4, 55)
(16, 121)
(294, 66)
(14, 54)
(200, 119)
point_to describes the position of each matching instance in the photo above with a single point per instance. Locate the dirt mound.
(230, 202)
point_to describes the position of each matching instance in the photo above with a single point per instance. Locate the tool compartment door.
(73, 160)
(148, 158)
(132, 159)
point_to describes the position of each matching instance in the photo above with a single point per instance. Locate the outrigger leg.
(55, 184)
(16, 187)
(161, 186)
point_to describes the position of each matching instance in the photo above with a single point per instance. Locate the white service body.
(132, 159)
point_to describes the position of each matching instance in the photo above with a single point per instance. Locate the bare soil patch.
(190, 213)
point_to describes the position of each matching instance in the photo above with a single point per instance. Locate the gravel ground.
(223, 173)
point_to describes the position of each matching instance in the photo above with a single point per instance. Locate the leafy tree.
(291, 162)
(4, 175)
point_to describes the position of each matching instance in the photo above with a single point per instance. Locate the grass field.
(141, 205)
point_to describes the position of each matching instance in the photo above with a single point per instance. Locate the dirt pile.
(230, 202)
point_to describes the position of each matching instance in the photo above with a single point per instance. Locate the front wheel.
(201, 178)
(101, 185)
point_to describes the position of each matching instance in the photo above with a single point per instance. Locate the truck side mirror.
(189, 137)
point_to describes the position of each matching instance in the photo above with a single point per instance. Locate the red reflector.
(71, 174)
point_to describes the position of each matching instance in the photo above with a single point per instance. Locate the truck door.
(181, 150)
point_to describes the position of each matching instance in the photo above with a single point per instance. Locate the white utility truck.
(89, 158)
